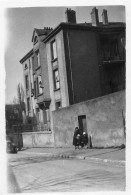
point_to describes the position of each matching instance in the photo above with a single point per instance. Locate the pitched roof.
(41, 32)
(26, 56)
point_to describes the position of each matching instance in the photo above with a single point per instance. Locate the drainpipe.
(70, 67)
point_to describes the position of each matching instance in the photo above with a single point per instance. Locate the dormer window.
(35, 39)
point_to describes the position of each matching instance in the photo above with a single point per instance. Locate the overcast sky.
(19, 29)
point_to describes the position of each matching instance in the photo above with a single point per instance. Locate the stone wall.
(104, 118)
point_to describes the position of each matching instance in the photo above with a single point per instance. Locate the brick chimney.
(104, 17)
(94, 17)
(70, 16)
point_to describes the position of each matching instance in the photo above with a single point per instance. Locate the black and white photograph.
(65, 98)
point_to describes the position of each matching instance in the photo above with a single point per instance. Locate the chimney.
(104, 17)
(94, 17)
(70, 16)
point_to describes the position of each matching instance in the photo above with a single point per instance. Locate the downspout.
(31, 81)
(70, 67)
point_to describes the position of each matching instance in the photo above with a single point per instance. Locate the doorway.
(82, 123)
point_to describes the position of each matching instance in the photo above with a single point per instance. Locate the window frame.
(28, 104)
(37, 86)
(54, 79)
(26, 66)
(35, 89)
(33, 62)
(56, 104)
(37, 54)
(53, 52)
(35, 40)
(27, 82)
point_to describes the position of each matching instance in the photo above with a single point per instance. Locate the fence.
(29, 128)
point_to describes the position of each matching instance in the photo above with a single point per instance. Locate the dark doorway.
(82, 123)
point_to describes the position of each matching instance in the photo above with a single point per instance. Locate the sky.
(20, 23)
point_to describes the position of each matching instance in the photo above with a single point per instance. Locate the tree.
(15, 100)
(20, 102)
(20, 99)
(20, 93)
(15, 111)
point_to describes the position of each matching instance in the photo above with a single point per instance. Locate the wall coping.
(91, 100)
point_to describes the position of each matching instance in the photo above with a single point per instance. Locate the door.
(82, 123)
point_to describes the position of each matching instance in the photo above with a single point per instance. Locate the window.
(56, 79)
(58, 105)
(26, 66)
(35, 89)
(35, 40)
(33, 62)
(29, 64)
(38, 58)
(53, 50)
(28, 104)
(39, 85)
(27, 82)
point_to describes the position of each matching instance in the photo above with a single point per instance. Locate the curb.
(114, 162)
(109, 161)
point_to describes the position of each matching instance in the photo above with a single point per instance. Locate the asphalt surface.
(12, 185)
(42, 172)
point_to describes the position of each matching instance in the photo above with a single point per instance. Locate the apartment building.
(73, 63)
(85, 60)
(36, 81)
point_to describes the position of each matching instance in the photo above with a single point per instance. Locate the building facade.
(36, 82)
(72, 63)
(90, 59)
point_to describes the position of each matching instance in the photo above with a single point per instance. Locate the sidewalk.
(109, 155)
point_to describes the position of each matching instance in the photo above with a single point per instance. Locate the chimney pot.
(95, 17)
(104, 17)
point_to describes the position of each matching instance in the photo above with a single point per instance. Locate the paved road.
(46, 174)
(12, 183)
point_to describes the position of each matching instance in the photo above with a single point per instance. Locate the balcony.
(112, 50)
(111, 62)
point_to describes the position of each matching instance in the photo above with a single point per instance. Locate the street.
(47, 174)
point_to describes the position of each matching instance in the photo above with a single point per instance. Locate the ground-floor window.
(58, 105)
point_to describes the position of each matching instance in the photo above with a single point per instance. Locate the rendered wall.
(82, 65)
(103, 116)
(37, 139)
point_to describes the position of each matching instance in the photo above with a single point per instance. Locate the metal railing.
(29, 128)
